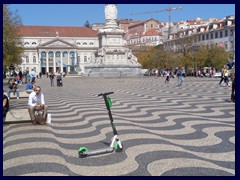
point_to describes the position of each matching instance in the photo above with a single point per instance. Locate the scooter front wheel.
(81, 152)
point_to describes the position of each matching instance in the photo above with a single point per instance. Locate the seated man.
(13, 87)
(36, 102)
(30, 87)
(5, 105)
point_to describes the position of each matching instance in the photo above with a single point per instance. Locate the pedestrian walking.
(156, 73)
(167, 76)
(222, 77)
(179, 75)
(226, 74)
(51, 76)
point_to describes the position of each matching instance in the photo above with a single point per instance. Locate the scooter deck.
(99, 151)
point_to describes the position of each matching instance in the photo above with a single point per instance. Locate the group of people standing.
(58, 76)
(169, 74)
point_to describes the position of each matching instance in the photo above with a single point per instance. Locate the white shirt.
(33, 73)
(34, 99)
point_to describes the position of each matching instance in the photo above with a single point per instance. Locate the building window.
(34, 43)
(65, 54)
(221, 34)
(211, 37)
(27, 59)
(50, 54)
(231, 32)
(203, 37)
(43, 54)
(34, 59)
(85, 58)
(207, 36)
(78, 43)
(84, 43)
(57, 54)
(231, 45)
(216, 35)
(26, 43)
(226, 33)
(91, 43)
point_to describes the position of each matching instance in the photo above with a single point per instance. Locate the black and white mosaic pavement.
(165, 130)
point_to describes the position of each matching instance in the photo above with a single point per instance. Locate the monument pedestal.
(112, 71)
(112, 59)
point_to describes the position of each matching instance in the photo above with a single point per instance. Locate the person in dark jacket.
(5, 105)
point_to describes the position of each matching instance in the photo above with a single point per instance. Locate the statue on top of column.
(111, 14)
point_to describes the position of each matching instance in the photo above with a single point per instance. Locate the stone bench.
(17, 116)
(22, 94)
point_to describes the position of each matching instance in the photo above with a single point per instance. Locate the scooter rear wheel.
(117, 148)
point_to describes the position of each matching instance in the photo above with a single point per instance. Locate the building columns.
(75, 56)
(47, 68)
(68, 67)
(54, 62)
(61, 62)
(39, 60)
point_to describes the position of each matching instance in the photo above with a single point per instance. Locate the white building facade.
(50, 48)
(220, 33)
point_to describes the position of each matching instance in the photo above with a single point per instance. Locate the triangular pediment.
(57, 43)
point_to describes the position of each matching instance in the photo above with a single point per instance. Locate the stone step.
(17, 116)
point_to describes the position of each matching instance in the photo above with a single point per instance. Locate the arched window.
(65, 54)
(78, 43)
(34, 59)
(78, 60)
(85, 58)
(84, 43)
(26, 43)
(57, 54)
(91, 43)
(43, 54)
(34, 43)
(50, 54)
(27, 59)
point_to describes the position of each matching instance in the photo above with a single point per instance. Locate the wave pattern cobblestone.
(166, 130)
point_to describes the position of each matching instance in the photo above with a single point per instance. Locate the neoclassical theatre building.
(52, 48)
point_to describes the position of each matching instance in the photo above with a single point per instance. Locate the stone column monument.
(111, 15)
(112, 59)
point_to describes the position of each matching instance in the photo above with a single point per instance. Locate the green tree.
(171, 59)
(12, 45)
(87, 24)
(201, 56)
(146, 57)
(217, 57)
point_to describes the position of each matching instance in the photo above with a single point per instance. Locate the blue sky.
(78, 14)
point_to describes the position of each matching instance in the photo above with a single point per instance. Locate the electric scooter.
(116, 145)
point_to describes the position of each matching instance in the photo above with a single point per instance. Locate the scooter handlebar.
(102, 94)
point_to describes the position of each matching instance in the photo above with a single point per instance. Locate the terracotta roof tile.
(136, 24)
(50, 31)
(151, 32)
